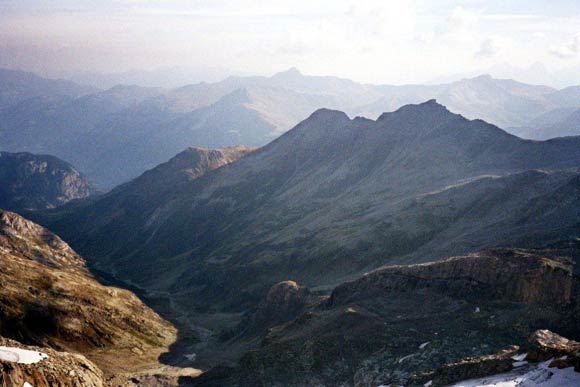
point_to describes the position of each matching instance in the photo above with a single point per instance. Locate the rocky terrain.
(49, 299)
(57, 369)
(438, 323)
(34, 182)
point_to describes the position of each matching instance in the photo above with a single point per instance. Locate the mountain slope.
(566, 126)
(32, 182)
(335, 197)
(16, 86)
(48, 298)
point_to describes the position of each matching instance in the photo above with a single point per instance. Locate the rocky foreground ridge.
(49, 299)
(57, 369)
(437, 323)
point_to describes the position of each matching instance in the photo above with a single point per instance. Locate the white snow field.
(21, 356)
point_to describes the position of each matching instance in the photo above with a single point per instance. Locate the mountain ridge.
(120, 126)
(267, 216)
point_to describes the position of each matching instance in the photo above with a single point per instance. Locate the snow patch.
(533, 375)
(21, 356)
(406, 357)
(422, 346)
(26, 384)
(519, 357)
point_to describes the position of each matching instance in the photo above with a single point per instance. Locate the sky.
(377, 41)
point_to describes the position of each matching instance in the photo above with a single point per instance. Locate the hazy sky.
(379, 41)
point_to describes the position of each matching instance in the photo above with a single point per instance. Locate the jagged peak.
(291, 72)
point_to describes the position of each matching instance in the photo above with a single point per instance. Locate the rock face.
(518, 275)
(49, 299)
(59, 369)
(473, 367)
(33, 182)
(518, 365)
(545, 345)
(408, 325)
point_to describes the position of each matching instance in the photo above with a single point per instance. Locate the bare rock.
(59, 369)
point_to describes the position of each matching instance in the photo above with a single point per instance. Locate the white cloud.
(488, 49)
(370, 40)
(566, 51)
(461, 18)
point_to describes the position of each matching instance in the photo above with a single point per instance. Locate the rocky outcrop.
(57, 369)
(542, 346)
(518, 275)
(33, 182)
(470, 368)
(545, 345)
(442, 322)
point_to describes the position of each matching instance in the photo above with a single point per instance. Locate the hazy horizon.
(380, 42)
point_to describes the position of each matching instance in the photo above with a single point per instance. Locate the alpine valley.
(291, 230)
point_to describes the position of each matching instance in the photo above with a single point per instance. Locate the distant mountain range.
(35, 182)
(115, 135)
(17, 86)
(330, 199)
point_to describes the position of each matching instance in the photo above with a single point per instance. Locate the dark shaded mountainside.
(331, 199)
(35, 182)
(49, 300)
(429, 324)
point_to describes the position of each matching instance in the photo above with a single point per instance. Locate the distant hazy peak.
(482, 77)
(238, 96)
(290, 73)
